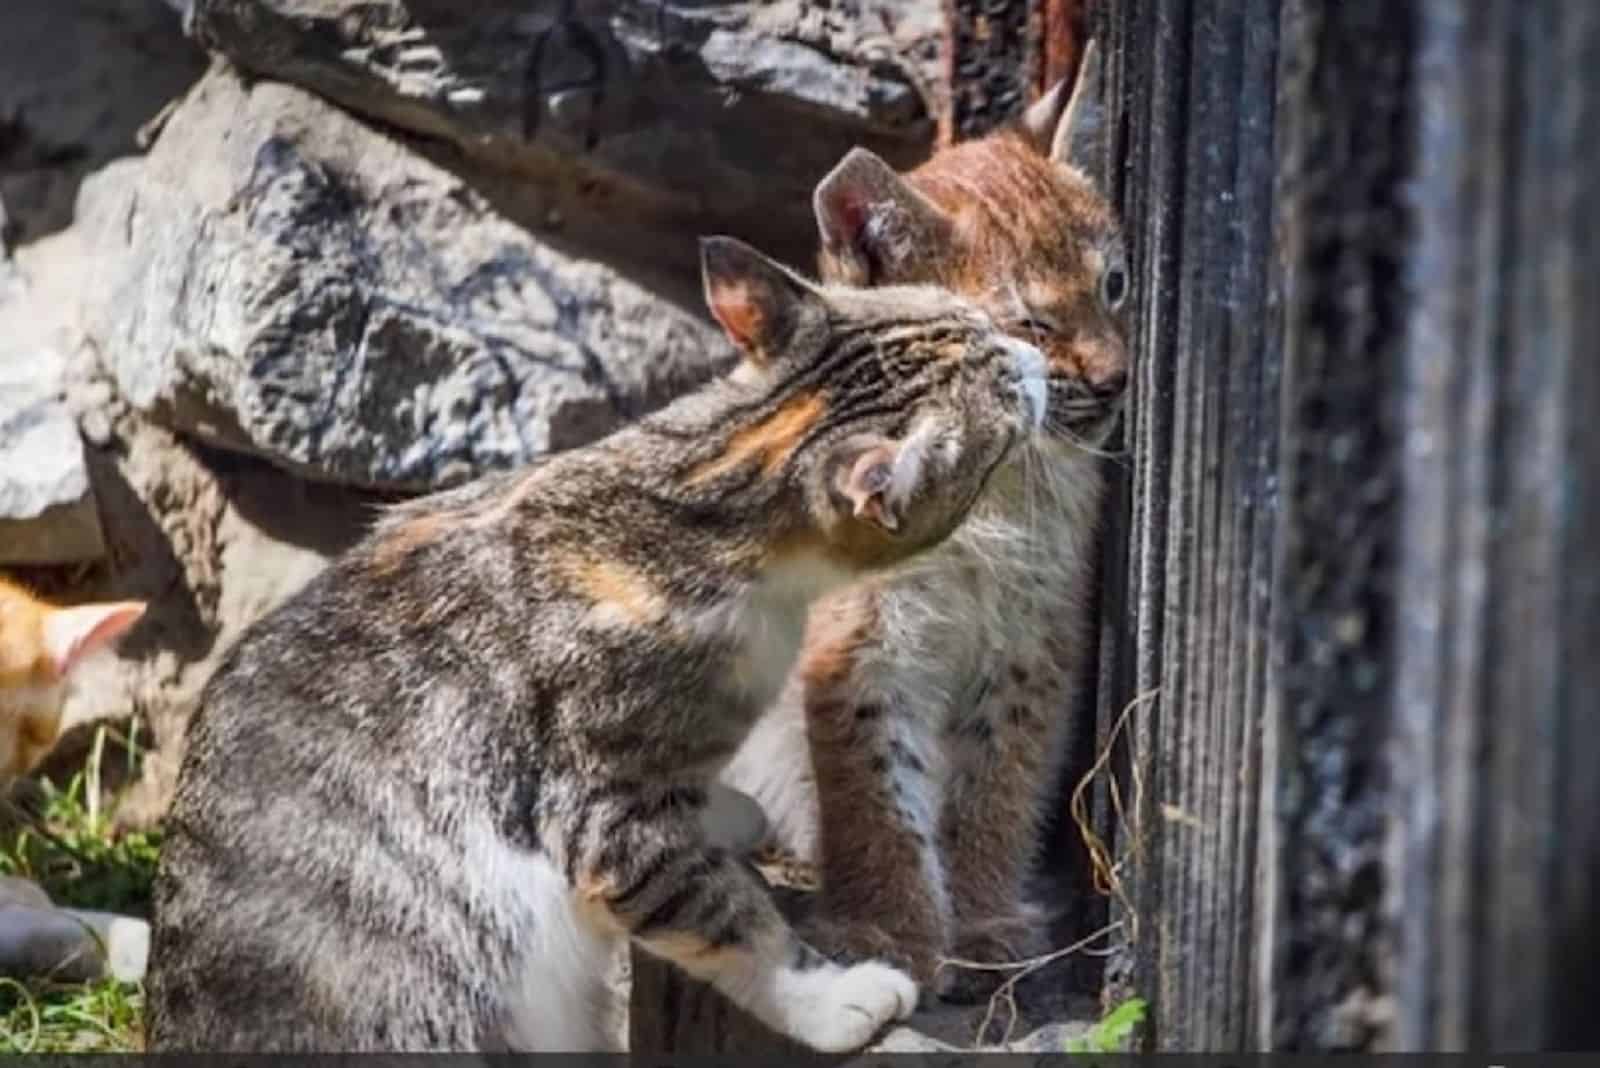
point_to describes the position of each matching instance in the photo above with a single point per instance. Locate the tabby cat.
(42, 647)
(424, 801)
(936, 701)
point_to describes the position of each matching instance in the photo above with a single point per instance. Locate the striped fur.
(425, 802)
(936, 702)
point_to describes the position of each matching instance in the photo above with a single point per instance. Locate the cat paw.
(1007, 940)
(855, 1004)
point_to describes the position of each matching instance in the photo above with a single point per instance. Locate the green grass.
(43, 1017)
(1113, 1032)
(75, 852)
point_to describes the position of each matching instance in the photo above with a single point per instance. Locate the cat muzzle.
(1032, 377)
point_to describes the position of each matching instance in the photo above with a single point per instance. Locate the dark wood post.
(1356, 569)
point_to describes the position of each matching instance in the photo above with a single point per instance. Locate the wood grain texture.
(1350, 565)
(1494, 819)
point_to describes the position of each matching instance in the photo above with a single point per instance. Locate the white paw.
(854, 1005)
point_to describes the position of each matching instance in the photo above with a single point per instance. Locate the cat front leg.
(648, 873)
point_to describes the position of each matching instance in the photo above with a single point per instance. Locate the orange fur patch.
(391, 551)
(41, 646)
(23, 659)
(771, 441)
(697, 956)
(619, 592)
(839, 625)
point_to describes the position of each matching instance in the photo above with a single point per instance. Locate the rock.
(123, 941)
(47, 512)
(1051, 1038)
(80, 79)
(71, 945)
(631, 120)
(15, 890)
(903, 1039)
(279, 279)
(213, 542)
(42, 941)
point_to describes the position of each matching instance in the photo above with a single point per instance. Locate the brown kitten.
(935, 701)
(41, 647)
(426, 800)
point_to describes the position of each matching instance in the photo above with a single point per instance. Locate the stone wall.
(267, 265)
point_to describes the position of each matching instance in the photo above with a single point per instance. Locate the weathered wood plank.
(1494, 837)
(1354, 556)
(1187, 573)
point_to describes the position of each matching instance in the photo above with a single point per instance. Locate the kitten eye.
(1113, 288)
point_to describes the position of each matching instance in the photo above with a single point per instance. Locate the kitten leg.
(641, 868)
(883, 882)
(1005, 749)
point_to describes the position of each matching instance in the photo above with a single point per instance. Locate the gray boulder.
(77, 80)
(278, 278)
(621, 117)
(47, 510)
(67, 945)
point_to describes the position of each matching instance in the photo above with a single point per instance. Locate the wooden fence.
(1357, 575)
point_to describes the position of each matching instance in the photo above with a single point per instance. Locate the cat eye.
(1114, 288)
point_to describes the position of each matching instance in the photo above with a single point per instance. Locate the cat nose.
(1032, 377)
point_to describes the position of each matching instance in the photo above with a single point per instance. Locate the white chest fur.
(767, 624)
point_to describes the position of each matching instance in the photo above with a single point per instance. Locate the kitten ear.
(71, 635)
(757, 300)
(872, 221)
(1067, 123)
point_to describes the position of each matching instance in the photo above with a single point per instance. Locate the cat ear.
(757, 300)
(71, 635)
(866, 484)
(1067, 123)
(872, 221)
(874, 477)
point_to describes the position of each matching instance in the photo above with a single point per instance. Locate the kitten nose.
(1112, 386)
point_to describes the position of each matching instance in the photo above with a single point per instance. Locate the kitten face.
(1012, 222)
(41, 646)
(890, 407)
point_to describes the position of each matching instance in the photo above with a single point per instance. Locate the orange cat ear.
(757, 301)
(873, 223)
(1067, 123)
(73, 634)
